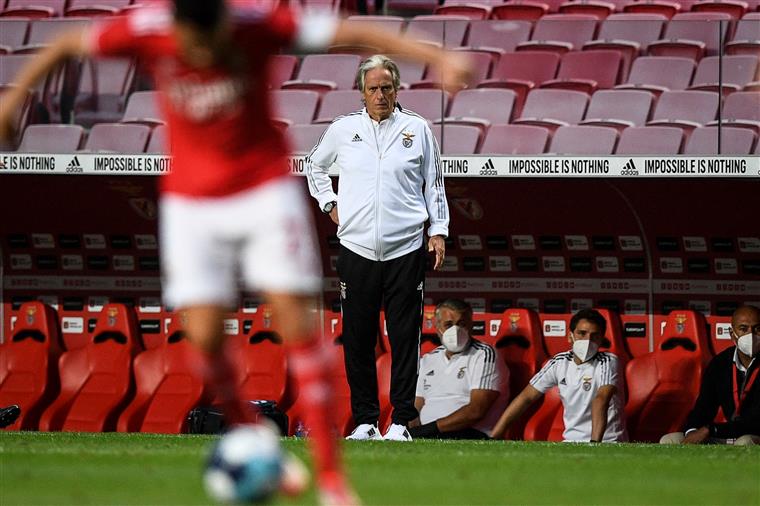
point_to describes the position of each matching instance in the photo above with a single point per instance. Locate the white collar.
(738, 363)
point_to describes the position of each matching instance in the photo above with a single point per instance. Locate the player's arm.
(599, 409)
(471, 413)
(516, 408)
(70, 44)
(454, 67)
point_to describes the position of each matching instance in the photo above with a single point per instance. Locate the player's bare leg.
(311, 360)
(203, 327)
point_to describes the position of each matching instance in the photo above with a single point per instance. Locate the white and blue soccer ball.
(245, 465)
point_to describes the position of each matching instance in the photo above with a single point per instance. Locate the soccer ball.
(245, 465)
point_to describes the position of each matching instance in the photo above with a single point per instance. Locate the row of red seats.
(109, 383)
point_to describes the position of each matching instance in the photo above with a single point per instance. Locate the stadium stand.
(457, 139)
(497, 37)
(519, 10)
(692, 35)
(323, 72)
(599, 9)
(481, 107)
(740, 110)
(663, 8)
(282, 69)
(746, 39)
(337, 103)
(447, 31)
(658, 74)
(13, 33)
(35, 9)
(142, 107)
(685, 109)
(730, 72)
(553, 108)
(481, 69)
(587, 71)
(159, 142)
(584, 140)
(104, 85)
(96, 381)
(51, 139)
(426, 103)
(29, 364)
(618, 108)
(650, 141)
(295, 106)
(515, 140)
(95, 8)
(118, 138)
(560, 33)
(303, 138)
(734, 141)
(471, 11)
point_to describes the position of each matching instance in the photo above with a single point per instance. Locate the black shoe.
(9, 415)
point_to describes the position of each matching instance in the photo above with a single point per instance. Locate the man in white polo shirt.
(462, 385)
(590, 386)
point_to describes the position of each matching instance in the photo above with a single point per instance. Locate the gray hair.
(458, 305)
(375, 61)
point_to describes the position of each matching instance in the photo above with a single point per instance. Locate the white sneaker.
(365, 432)
(397, 432)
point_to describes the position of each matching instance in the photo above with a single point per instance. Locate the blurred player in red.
(229, 207)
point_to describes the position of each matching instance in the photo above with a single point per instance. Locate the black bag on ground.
(210, 419)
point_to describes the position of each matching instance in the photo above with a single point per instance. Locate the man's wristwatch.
(329, 207)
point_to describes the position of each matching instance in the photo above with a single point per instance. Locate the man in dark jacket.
(730, 383)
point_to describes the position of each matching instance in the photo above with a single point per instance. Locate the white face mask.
(455, 338)
(749, 344)
(585, 349)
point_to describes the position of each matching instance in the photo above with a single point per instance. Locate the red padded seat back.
(520, 346)
(686, 329)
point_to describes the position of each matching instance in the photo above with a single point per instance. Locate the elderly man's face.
(379, 94)
(743, 322)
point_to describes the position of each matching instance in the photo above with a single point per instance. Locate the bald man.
(730, 383)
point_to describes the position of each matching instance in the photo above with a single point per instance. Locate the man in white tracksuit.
(390, 184)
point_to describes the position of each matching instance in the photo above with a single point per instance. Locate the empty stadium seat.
(392, 24)
(409, 70)
(584, 140)
(740, 110)
(735, 9)
(553, 108)
(457, 139)
(118, 138)
(29, 364)
(11, 64)
(480, 69)
(650, 141)
(96, 381)
(587, 71)
(481, 107)
(497, 36)
(734, 141)
(337, 103)
(323, 72)
(685, 109)
(519, 344)
(692, 35)
(664, 8)
(736, 72)
(471, 11)
(429, 104)
(658, 74)
(520, 10)
(13, 33)
(613, 340)
(93, 8)
(103, 88)
(448, 31)
(159, 141)
(169, 383)
(560, 33)
(143, 107)
(51, 139)
(515, 140)
(303, 138)
(296, 106)
(618, 108)
(35, 9)
(746, 39)
(282, 67)
(44, 31)
(521, 72)
(597, 8)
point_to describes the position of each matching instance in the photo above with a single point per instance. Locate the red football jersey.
(220, 132)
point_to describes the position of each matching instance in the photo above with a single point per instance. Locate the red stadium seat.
(457, 139)
(51, 139)
(520, 10)
(412, 6)
(35, 9)
(481, 107)
(546, 424)
(658, 74)
(746, 39)
(142, 107)
(410, 71)
(282, 68)
(93, 8)
(159, 141)
(618, 108)
(118, 138)
(692, 35)
(471, 11)
(521, 72)
(685, 109)
(737, 72)
(740, 110)
(613, 341)
(447, 31)
(393, 24)
(13, 33)
(515, 140)
(497, 36)
(561, 33)
(29, 364)
(337, 103)
(104, 86)
(303, 138)
(587, 71)
(584, 140)
(735, 9)
(429, 104)
(323, 72)
(597, 8)
(687, 329)
(96, 381)
(553, 108)
(43, 31)
(734, 141)
(169, 383)
(480, 62)
(296, 106)
(664, 8)
(650, 141)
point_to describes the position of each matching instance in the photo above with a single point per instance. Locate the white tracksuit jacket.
(390, 183)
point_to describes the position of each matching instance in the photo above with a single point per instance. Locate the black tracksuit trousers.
(366, 286)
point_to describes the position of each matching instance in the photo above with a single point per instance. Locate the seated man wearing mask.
(731, 384)
(462, 385)
(590, 386)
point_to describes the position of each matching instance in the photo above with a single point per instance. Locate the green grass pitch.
(140, 469)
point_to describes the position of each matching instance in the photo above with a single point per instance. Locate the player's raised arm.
(70, 44)
(455, 68)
